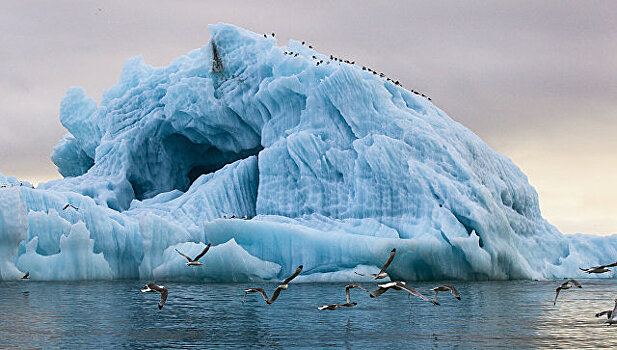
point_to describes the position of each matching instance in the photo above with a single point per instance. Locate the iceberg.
(325, 165)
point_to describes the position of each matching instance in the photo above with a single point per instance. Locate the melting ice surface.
(332, 165)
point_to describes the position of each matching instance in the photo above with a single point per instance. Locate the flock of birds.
(339, 60)
(382, 288)
(610, 314)
(21, 184)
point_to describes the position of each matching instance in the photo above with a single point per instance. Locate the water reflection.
(115, 314)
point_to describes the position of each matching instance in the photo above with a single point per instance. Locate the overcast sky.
(537, 80)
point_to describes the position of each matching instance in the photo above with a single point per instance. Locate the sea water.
(511, 314)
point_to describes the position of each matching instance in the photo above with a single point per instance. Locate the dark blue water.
(517, 314)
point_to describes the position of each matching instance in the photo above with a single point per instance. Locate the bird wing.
(66, 206)
(328, 307)
(255, 290)
(347, 295)
(415, 292)
(365, 274)
(295, 274)
(556, 294)
(163, 297)
(584, 270)
(157, 288)
(608, 265)
(275, 295)
(392, 253)
(379, 291)
(613, 314)
(453, 290)
(607, 313)
(576, 283)
(184, 255)
(202, 253)
(348, 287)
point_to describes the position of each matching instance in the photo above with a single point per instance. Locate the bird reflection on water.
(490, 314)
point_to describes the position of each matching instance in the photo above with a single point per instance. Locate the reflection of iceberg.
(333, 166)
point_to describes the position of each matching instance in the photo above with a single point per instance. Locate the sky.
(536, 80)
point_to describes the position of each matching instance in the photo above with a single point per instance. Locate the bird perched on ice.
(565, 285)
(70, 205)
(598, 269)
(444, 288)
(152, 287)
(26, 276)
(381, 274)
(399, 285)
(611, 315)
(194, 262)
(277, 291)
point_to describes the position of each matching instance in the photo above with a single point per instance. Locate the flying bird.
(277, 291)
(349, 303)
(70, 205)
(382, 273)
(26, 276)
(611, 315)
(444, 288)
(565, 285)
(350, 286)
(335, 306)
(399, 285)
(152, 287)
(598, 269)
(194, 262)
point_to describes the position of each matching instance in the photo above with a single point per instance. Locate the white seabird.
(381, 274)
(277, 291)
(598, 269)
(399, 285)
(349, 303)
(565, 285)
(611, 315)
(194, 262)
(152, 287)
(444, 288)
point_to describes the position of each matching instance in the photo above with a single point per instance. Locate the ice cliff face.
(333, 165)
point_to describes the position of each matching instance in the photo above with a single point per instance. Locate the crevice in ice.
(187, 162)
(217, 63)
(469, 227)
